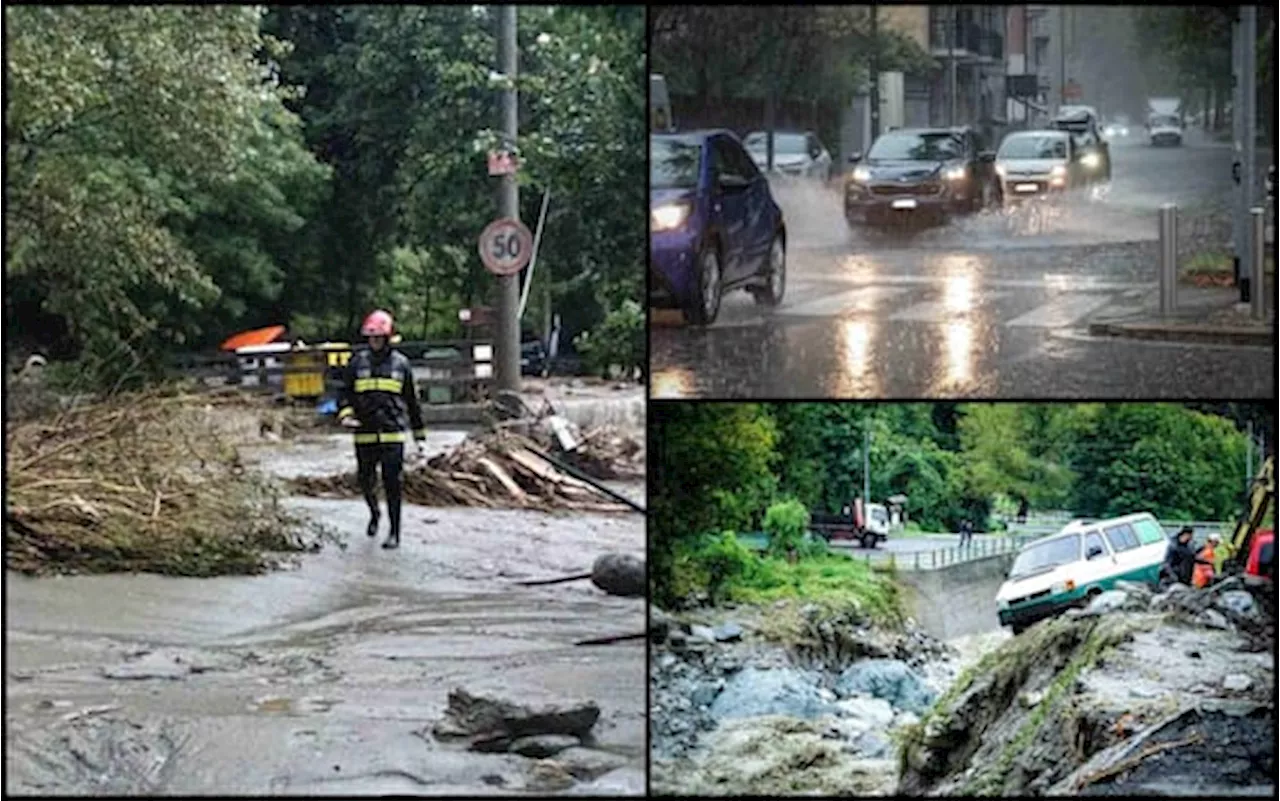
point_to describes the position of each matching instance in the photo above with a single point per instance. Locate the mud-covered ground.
(326, 679)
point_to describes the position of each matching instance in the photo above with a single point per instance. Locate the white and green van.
(1067, 569)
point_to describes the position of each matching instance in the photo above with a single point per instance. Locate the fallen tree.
(140, 482)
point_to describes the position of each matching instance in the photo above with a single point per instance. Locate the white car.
(795, 153)
(1065, 570)
(1034, 164)
(1164, 129)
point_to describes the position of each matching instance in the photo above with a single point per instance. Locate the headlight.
(1002, 603)
(1058, 171)
(955, 173)
(1091, 160)
(861, 174)
(1000, 170)
(1063, 587)
(669, 217)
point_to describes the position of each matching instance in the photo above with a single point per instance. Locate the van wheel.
(1017, 629)
(868, 541)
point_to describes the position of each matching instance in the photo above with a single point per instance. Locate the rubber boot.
(392, 541)
(372, 531)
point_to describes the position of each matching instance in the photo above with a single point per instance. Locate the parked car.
(796, 153)
(714, 226)
(909, 172)
(1092, 151)
(1067, 569)
(1034, 165)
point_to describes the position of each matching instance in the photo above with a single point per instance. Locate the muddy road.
(327, 678)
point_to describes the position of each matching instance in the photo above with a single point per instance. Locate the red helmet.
(377, 324)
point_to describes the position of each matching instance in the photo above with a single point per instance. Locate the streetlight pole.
(866, 468)
(952, 23)
(507, 344)
(875, 72)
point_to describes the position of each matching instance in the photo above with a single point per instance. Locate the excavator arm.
(1262, 496)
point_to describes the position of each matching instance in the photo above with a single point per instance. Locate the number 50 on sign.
(505, 246)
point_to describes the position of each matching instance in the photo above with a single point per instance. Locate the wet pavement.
(991, 305)
(320, 679)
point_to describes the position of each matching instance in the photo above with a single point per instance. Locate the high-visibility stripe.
(345, 411)
(379, 385)
(381, 437)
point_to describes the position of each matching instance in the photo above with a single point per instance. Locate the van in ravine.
(1065, 570)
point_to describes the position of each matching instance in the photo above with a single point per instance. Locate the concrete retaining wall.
(957, 600)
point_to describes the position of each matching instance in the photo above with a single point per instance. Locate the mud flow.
(328, 678)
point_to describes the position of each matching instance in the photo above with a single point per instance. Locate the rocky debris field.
(1140, 693)
(790, 699)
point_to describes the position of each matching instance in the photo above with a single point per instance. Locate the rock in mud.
(729, 632)
(873, 746)
(486, 722)
(623, 781)
(1109, 601)
(661, 625)
(151, 666)
(587, 764)
(542, 746)
(754, 692)
(875, 712)
(1213, 619)
(889, 679)
(1238, 604)
(1236, 682)
(620, 574)
(703, 633)
(549, 776)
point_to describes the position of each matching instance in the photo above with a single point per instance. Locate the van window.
(1122, 537)
(1092, 541)
(1046, 554)
(1149, 531)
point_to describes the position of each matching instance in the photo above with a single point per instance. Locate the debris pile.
(140, 482)
(498, 469)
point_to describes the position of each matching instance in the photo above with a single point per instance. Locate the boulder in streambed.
(888, 679)
(752, 692)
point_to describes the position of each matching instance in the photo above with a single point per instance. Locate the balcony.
(977, 35)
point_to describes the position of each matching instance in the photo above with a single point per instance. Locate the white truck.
(1164, 121)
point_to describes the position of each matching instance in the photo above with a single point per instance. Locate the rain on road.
(985, 306)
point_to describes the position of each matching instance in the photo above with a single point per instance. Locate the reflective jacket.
(378, 389)
(1203, 574)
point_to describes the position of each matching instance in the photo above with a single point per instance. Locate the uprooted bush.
(141, 482)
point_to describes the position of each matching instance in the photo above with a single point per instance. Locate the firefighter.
(379, 403)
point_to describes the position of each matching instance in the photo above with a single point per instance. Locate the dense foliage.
(726, 467)
(179, 173)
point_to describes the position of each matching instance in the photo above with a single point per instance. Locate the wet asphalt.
(985, 306)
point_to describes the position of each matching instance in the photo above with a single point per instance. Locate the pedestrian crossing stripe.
(1061, 313)
(860, 300)
(939, 311)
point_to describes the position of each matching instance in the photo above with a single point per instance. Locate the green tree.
(786, 523)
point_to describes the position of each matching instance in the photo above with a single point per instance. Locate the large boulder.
(753, 692)
(889, 679)
(492, 724)
(620, 574)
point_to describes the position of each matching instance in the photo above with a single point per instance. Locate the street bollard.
(1168, 258)
(917, 560)
(933, 557)
(1257, 265)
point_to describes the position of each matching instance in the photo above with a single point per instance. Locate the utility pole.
(507, 346)
(1248, 456)
(875, 72)
(1250, 273)
(1062, 56)
(866, 467)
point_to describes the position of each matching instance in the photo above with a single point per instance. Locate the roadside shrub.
(618, 342)
(786, 523)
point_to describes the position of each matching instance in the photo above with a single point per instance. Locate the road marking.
(864, 299)
(1061, 313)
(938, 311)
(1052, 281)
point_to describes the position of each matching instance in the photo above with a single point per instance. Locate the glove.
(350, 422)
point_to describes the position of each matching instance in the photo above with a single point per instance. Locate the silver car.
(1035, 164)
(795, 153)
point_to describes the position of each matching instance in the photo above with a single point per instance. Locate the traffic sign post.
(506, 245)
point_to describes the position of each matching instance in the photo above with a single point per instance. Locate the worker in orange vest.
(1205, 563)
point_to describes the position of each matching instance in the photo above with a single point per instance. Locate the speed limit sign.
(505, 246)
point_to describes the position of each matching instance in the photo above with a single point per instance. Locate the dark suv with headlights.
(911, 172)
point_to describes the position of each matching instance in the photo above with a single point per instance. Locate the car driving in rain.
(1093, 154)
(934, 172)
(797, 153)
(1034, 165)
(714, 225)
